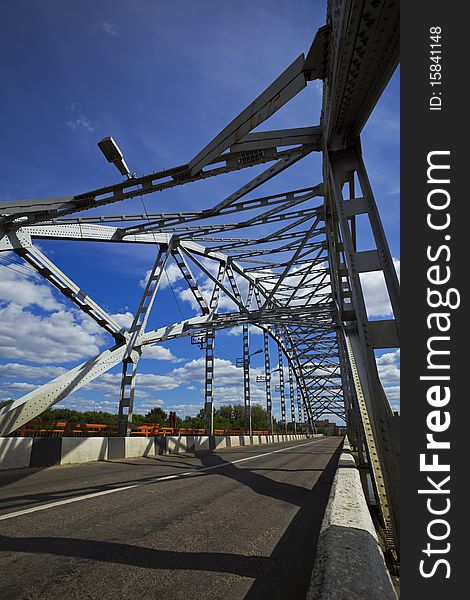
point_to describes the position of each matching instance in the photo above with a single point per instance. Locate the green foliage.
(75, 416)
(259, 418)
(156, 415)
(61, 414)
(225, 417)
(230, 416)
(196, 422)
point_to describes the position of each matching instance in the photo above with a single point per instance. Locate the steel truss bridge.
(288, 262)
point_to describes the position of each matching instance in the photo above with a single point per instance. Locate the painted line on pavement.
(26, 511)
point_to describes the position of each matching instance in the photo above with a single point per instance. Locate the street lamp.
(114, 155)
(240, 362)
(262, 378)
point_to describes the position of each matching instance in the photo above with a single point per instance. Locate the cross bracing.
(287, 263)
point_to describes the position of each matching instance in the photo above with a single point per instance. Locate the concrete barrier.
(78, 450)
(116, 448)
(161, 444)
(139, 446)
(179, 444)
(16, 453)
(201, 443)
(349, 562)
(46, 452)
(220, 441)
(234, 441)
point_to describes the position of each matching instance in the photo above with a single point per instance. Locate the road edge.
(349, 562)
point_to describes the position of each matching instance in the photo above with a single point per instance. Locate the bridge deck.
(240, 523)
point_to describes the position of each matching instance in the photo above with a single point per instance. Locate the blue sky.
(162, 78)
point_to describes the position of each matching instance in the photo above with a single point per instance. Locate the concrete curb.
(17, 453)
(349, 563)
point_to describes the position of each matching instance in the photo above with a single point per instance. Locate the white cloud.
(57, 335)
(20, 386)
(237, 331)
(146, 406)
(22, 291)
(68, 335)
(30, 373)
(389, 358)
(389, 367)
(171, 275)
(110, 382)
(83, 404)
(160, 353)
(81, 122)
(110, 28)
(157, 382)
(234, 331)
(183, 410)
(123, 319)
(225, 372)
(375, 292)
(393, 393)
(56, 338)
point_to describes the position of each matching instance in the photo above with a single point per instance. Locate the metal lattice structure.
(288, 263)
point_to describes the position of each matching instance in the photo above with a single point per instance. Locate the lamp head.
(114, 155)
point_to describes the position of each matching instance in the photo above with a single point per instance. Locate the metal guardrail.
(69, 429)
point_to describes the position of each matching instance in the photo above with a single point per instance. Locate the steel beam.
(376, 414)
(133, 347)
(282, 391)
(267, 377)
(285, 87)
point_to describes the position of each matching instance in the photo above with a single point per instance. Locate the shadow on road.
(291, 562)
(137, 556)
(214, 462)
(284, 574)
(248, 476)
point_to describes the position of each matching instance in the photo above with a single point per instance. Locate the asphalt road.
(238, 523)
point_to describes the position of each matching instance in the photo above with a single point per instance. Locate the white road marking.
(26, 511)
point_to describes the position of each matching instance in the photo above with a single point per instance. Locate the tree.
(98, 416)
(61, 414)
(259, 418)
(227, 416)
(233, 417)
(156, 415)
(196, 422)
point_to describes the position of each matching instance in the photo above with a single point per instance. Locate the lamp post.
(267, 379)
(245, 364)
(240, 362)
(261, 378)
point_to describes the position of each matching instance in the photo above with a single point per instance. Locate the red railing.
(66, 429)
